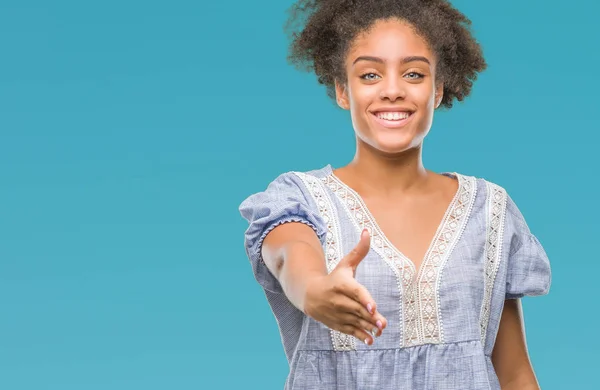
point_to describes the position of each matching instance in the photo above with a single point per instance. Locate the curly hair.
(321, 32)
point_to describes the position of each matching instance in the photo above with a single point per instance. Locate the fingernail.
(379, 324)
(374, 332)
(369, 308)
(367, 341)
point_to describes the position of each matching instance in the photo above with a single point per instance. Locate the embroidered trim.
(362, 219)
(420, 313)
(495, 217)
(276, 224)
(333, 246)
(448, 234)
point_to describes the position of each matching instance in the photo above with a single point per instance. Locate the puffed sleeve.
(528, 272)
(285, 200)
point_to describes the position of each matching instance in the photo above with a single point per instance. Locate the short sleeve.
(528, 272)
(285, 200)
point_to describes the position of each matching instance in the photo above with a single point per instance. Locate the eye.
(369, 76)
(415, 75)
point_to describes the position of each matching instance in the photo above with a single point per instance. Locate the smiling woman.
(425, 269)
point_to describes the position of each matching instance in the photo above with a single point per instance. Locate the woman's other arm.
(510, 357)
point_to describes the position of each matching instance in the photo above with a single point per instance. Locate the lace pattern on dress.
(419, 311)
(333, 246)
(495, 217)
(448, 234)
(362, 219)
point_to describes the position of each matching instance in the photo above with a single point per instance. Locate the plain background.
(130, 131)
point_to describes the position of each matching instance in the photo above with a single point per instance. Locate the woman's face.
(390, 91)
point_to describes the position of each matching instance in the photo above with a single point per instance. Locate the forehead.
(390, 39)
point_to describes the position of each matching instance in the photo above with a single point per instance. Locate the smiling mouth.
(392, 119)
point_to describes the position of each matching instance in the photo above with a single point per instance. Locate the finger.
(361, 295)
(358, 253)
(377, 319)
(355, 308)
(360, 334)
(380, 321)
(350, 305)
(361, 323)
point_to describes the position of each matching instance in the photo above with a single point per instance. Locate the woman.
(383, 274)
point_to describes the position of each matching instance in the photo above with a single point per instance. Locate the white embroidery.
(495, 217)
(448, 234)
(420, 313)
(333, 246)
(362, 219)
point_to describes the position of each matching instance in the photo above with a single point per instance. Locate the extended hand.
(341, 303)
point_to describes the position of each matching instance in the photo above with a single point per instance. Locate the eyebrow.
(402, 61)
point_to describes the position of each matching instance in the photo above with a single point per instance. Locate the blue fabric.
(283, 201)
(460, 357)
(527, 274)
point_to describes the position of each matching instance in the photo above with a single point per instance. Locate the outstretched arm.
(293, 254)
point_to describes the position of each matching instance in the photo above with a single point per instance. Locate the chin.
(393, 143)
(391, 148)
(394, 150)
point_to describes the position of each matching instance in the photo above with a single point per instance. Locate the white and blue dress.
(442, 319)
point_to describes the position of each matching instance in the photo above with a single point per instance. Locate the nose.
(392, 89)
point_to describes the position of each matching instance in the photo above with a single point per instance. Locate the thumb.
(360, 251)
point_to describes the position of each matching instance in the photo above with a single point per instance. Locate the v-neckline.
(441, 226)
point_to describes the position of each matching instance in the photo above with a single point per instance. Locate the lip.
(392, 109)
(392, 124)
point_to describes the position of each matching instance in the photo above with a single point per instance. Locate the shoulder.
(489, 189)
(299, 179)
(501, 212)
(497, 192)
(494, 197)
(317, 173)
(285, 186)
(500, 201)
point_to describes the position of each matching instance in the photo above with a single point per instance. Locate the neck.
(370, 172)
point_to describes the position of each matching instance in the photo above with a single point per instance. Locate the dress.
(442, 321)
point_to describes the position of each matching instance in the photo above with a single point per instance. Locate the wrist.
(311, 286)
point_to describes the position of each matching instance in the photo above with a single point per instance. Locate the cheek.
(424, 94)
(362, 95)
(361, 99)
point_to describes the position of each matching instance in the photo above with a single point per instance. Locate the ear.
(341, 95)
(439, 94)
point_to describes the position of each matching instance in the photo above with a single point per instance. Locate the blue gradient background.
(130, 131)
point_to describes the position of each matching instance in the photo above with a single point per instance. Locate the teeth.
(393, 116)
